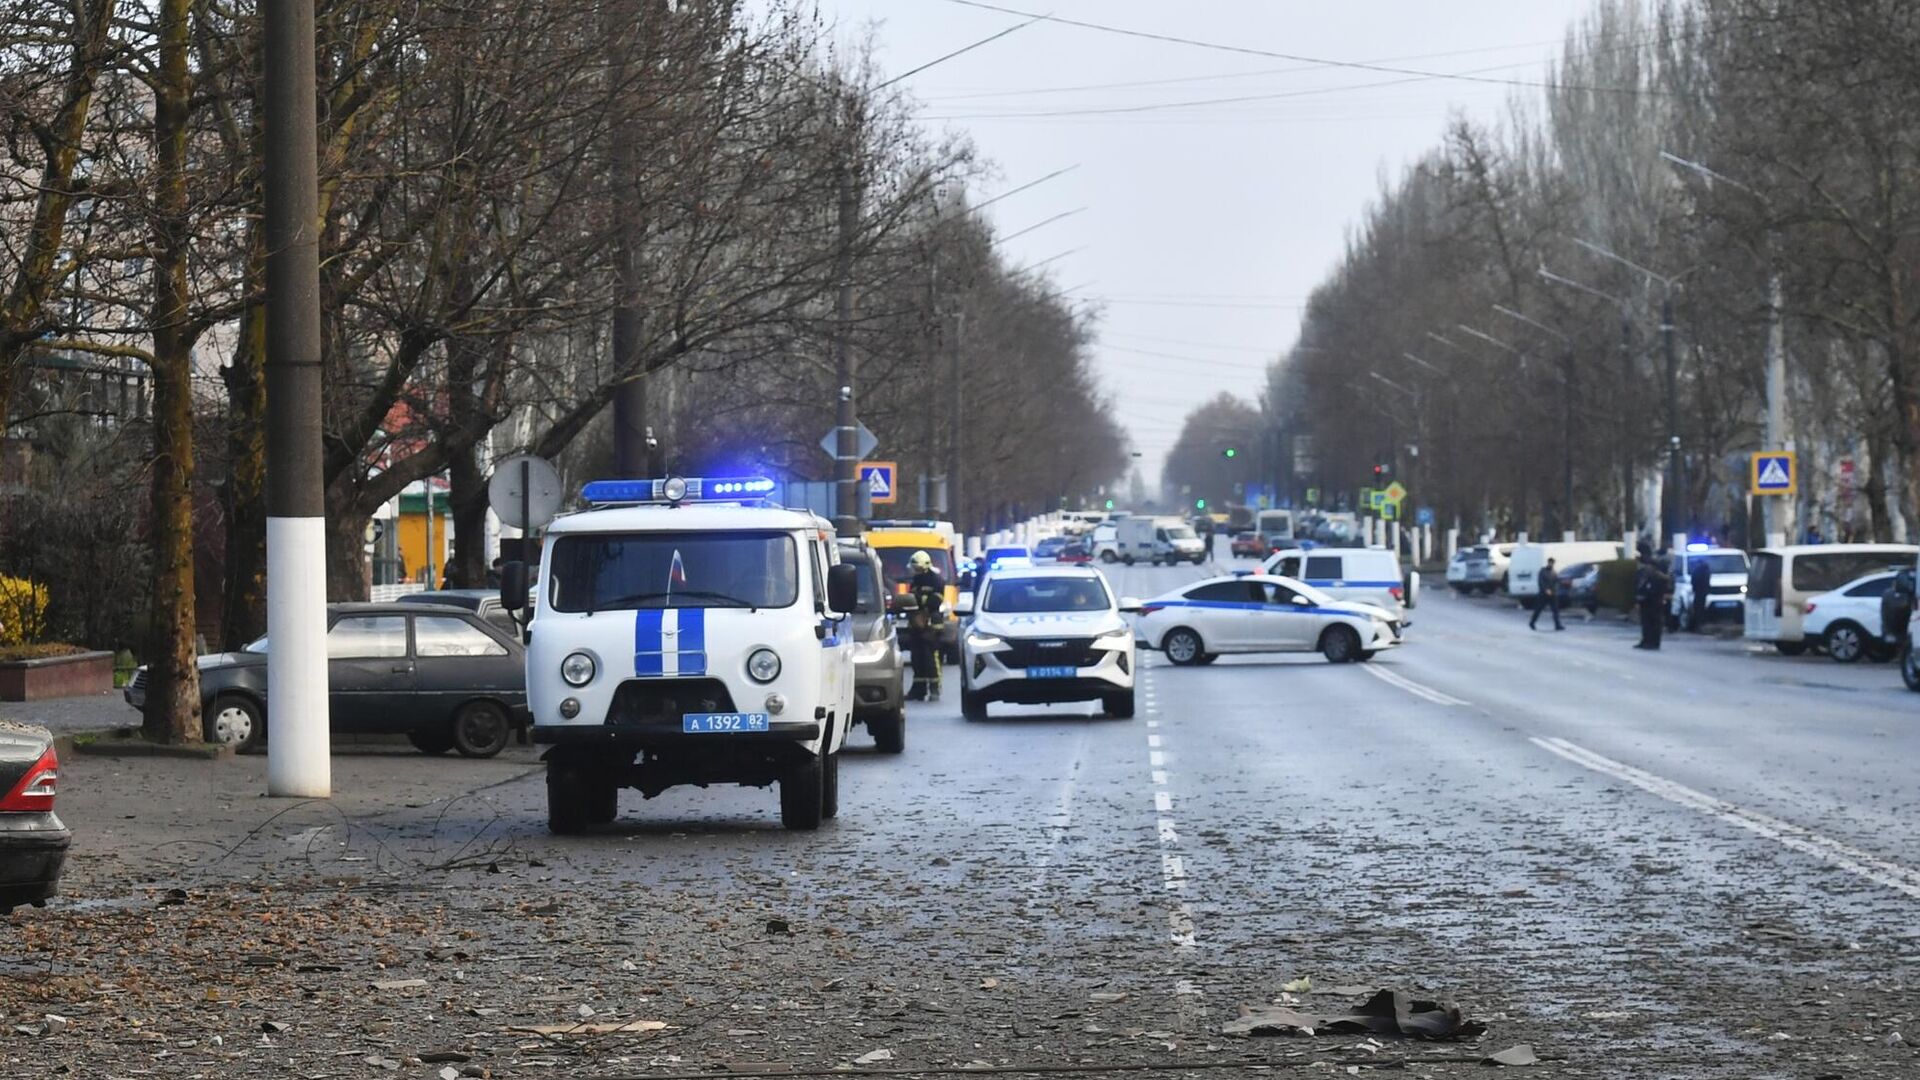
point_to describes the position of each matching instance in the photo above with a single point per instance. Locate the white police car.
(1041, 635)
(687, 634)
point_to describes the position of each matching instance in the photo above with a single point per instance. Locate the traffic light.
(1109, 504)
(1230, 453)
(1199, 504)
(1381, 472)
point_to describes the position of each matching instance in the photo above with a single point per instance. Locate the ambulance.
(688, 632)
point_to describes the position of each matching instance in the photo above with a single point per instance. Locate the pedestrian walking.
(1651, 588)
(1211, 533)
(1549, 599)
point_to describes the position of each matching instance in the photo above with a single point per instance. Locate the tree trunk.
(467, 501)
(346, 553)
(173, 680)
(244, 607)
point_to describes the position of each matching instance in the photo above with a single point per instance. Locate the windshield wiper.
(636, 599)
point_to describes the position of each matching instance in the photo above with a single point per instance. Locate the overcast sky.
(1204, 226)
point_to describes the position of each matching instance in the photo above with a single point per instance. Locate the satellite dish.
(525, 491)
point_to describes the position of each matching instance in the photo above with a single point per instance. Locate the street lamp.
(1775, 434)
(1670, 510)
(1566, 420)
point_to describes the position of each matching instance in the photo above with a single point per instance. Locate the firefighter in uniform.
(928, 590)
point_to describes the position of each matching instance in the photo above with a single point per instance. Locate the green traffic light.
(1109, 504)
(1230, 452)
(1199, 504)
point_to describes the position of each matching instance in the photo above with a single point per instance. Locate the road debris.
(1388, 1012)
(1521, 1054)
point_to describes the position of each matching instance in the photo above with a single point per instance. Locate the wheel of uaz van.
(1119, 706)
(1909, 669)
(1182, 646)
(1109, 557)
(803, 795)
(1340, 645)
(603, 800)
(569, 799)
(830, 787)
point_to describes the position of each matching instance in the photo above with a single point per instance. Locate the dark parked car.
(1248, 544)
(33, 842)
(443, 676)
(1051, 547)
(482, 602)
(1579, 586)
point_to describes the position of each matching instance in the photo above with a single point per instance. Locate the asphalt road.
(1697, 863)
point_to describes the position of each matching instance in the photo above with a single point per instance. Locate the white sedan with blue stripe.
(1257, 613)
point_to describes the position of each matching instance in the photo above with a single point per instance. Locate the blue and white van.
(1354, 574)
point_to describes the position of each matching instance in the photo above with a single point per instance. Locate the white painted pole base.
(299, 744)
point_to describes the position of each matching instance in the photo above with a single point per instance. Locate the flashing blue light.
(610, 492)
(1698, 546)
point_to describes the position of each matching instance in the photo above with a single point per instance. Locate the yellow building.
(413, 535)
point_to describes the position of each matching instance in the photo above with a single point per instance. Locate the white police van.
(687, 633)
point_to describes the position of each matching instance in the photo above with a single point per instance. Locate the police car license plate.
(708, 723)
(1053, 671)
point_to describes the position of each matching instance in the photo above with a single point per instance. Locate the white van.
(1276, 529)
(1355, 575)
(1783, 580)
(1158, 540)
(1523, 570)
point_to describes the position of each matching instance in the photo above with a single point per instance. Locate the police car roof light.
(677, 490)
(1698, 546)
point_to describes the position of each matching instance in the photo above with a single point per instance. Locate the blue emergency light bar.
(677, 489)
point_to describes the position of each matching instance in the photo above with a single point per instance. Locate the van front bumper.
(667, 734)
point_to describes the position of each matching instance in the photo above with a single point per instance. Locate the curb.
(127, 743)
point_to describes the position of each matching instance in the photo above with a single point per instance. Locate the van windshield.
(1181, 532)
(894, 561)
(1718, 564)
(615, 571)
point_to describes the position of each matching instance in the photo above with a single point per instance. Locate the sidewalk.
(64, 716)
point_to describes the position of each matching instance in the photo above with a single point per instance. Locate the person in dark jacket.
(1652, 587)
(1702, 580)
(1549, 600)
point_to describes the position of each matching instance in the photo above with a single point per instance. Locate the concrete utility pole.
(299, 761)
(846, 418)
(956, 440)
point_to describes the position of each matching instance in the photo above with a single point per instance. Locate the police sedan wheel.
(1183, 647)
(234, 721)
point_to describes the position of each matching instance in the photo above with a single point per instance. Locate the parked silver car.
(879, 702)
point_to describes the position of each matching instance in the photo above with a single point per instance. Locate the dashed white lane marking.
(1428, 693)
(1163, 802)
(1864, 864)
(1153, 723)
(1153, 741)
(1168, 835)
(1156, 759)
(1160, 777)
(1180, 922)
(1174, 869)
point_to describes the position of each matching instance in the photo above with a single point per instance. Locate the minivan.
(1783, 579)
(1523, 570)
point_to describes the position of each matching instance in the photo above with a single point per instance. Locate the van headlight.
(763, 665)
(578, 669)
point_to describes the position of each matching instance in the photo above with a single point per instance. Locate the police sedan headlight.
(578, 669)
(764, 665)
(1117, 632)
(983, 641)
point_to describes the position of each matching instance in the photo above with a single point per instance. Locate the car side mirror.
(843, 589)
(513, 586)
(1301, 601)
(1130, 605)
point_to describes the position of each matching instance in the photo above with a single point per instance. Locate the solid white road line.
(1393, 678)
(1865, 864)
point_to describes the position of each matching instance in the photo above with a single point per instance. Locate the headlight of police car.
(578, 669)
(1117, 632)
(867, 652)
(983, 641)
(763, 665)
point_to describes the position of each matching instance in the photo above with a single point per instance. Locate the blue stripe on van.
(648, 659)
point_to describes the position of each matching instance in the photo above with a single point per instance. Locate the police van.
(687, 632)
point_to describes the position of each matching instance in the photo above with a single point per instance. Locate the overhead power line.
(1244, 50)
(962, 51)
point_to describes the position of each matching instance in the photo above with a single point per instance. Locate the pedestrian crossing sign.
(1775, 472)
(881, 480)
